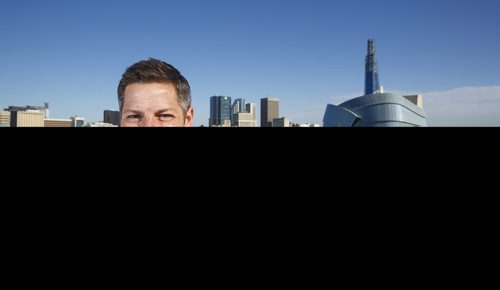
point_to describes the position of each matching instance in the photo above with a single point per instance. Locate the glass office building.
(220, 111)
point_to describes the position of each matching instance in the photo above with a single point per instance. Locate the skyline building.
(281, 122)
(239, 106)
(269, 110)
(220, 111)
(44, 109)
(77, 121)
(100, 125)
(112, 117)
(372, 82)
(27, 118)
(36, 116)
(247, 118)
(376, 108)
(57, 123)
(4, 119)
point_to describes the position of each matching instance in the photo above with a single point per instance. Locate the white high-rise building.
(248, 118)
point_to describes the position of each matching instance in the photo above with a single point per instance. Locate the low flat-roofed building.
(101, 125)
(27, 119)
(58, 123)
(77, 121)
(281, 122)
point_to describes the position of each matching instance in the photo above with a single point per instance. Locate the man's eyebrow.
(133, 112)
(164, 111)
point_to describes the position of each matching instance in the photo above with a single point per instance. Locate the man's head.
(153, 93)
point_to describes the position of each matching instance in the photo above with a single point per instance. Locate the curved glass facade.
(376, 110)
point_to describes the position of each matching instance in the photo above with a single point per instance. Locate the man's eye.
(131, 117)
(165, 117)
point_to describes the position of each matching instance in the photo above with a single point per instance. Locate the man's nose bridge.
(149, 121)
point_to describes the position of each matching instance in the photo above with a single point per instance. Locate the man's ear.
(188, 122)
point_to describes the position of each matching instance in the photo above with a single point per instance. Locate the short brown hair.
(156, 71)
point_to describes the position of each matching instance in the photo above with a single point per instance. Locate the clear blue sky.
(72, 53)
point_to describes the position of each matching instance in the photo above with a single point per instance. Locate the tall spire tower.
(376, 108)
(372, 84)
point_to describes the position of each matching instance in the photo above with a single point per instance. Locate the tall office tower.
(372, 84)
(239, 106)
(252, 109)
(112, 117)
(269, 110)
(220, 111)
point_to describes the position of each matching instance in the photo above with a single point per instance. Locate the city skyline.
(305, 53)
